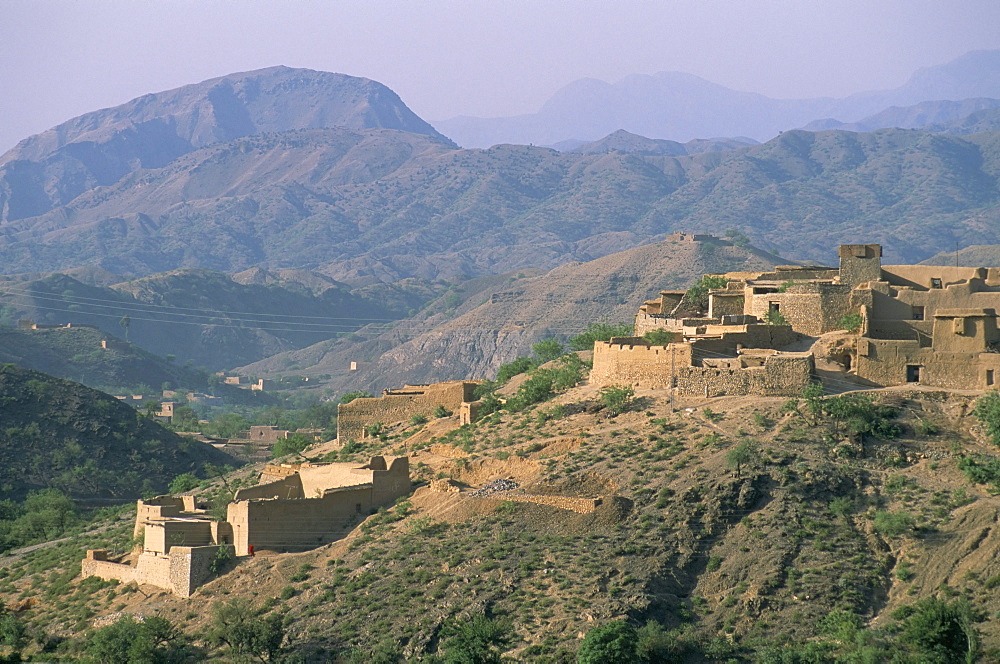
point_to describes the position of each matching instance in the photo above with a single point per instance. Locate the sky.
(491, 58)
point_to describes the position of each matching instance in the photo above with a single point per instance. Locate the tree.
(697, 295)
(941, 632)
(245, 631)
(775, 317)
(548, 350)
(599, 332)
(741, 455)
(184, 483)
(987, 411)
(616, 398)
(659, 337)
(129, 641)
(477, 641)
(351, 396)
(295, 443)
(511, 369)
(614, 643)
(125, 323)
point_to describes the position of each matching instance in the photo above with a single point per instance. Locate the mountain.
(679, 107)
(942, 116)
(214, 320)
(378, 205)
(99, 148)
(60, 434)
(628, 143)
(501, 320)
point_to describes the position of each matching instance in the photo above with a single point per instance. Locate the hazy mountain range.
(680, 107)
(326, 197)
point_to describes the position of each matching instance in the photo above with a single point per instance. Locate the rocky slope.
(501, 321)
(730, 561)
(97, 149)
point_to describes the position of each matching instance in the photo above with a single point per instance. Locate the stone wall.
(181, 571)
(781, 375)
(580, 505)
(810, 308)
(400, 405)
(638, 365)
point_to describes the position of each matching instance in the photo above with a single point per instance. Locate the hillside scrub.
(788, 561)
(599, 332)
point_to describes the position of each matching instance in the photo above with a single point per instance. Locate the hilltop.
(60, 434)
(99, 148)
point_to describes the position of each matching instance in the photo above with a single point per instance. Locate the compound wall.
(400, 405)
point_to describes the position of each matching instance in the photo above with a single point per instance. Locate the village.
(773, 333)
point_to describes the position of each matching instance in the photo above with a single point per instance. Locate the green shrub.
(851, 322)
(659, 337)
(600, 332)
(418, 419)
(987, 411)
(548, 350)
(616, 398)
(441, 411)
(893, 524)
(698, 294)
(614, 643)
(511, 369)
(351, 396)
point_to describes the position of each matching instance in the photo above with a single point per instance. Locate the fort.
(296, 507)
(930, 325)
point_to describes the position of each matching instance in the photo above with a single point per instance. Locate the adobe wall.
(161, 536)
(296, 525)
(781, 375)
(900, 303)
(921, 276)
(579, 505)
(400, 405)
(647, 322)
(810, 308)
(180, 572)
(287, 488)
(154, 509)
(391, 483)
(885, 363)
(964, 330)
(637, 365)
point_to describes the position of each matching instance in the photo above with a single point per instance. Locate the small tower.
(860, 263)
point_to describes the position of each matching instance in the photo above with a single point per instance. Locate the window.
(989, 376)
(912, 373)
(773, 306)
(918, 313)
(935, 283)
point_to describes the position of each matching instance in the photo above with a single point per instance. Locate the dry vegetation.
(736, 524)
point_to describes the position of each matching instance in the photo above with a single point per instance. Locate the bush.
(476, 641)
(893, 524)
(441, 411)
(981, 469)
(616, 398)
(246, 632)
(418, 419)
(698, 294)
(548, 350)
(183, 483)
(941, 632)
(775, 317)
(851, 322)
(511, 369)
(600, 332)
(614, 643)
(129, 641)
(987, 411)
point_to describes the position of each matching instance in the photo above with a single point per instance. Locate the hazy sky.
(61, 58)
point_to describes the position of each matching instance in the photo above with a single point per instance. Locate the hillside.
(97, 149)
(498, 323)
(382, 205)
(77, 354)
(214, 320)
(60, 434)
(730, 560)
